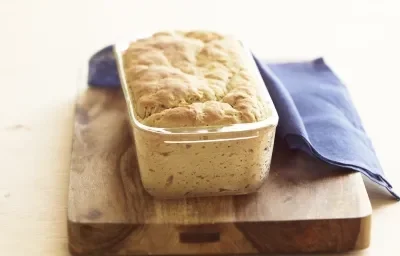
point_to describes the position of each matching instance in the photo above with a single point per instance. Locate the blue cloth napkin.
(316, 113)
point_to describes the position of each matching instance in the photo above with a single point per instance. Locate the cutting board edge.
(83, 241)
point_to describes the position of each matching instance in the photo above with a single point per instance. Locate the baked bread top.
(192, 79)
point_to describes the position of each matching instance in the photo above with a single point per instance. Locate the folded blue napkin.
(316, 114)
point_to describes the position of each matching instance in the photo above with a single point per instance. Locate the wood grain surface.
(304, 206)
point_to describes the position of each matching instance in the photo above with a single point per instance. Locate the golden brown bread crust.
(191, 79)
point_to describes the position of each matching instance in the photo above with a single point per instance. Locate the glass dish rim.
(271, 121)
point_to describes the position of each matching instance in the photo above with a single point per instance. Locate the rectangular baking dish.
(202, 161)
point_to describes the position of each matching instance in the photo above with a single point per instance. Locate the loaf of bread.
(192, 79)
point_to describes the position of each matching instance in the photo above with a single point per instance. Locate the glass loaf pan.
(206, 161)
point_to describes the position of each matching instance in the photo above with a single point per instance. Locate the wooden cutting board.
(304, 206)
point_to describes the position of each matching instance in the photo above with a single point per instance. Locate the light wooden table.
(44, 50)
